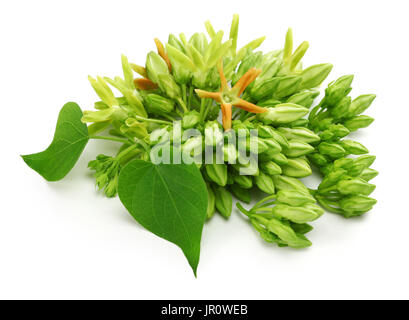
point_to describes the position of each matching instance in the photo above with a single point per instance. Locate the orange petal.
(145, 84)
(206, 94)
(226, 115)
(162, 53)
(244, 81)
(248, 106)
(223, 80)
(250, 79)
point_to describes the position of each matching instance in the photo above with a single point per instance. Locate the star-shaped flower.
(228, 97)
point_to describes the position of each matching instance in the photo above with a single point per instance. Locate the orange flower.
(228, 97)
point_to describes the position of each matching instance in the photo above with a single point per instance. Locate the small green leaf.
(169, 200)
(70, 139)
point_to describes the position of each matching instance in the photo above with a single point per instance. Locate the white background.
(65, 240)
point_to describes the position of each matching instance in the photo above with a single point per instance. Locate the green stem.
(207, 109)
(126, 151)
(152, 120)
(189, 101)
(110, 138)
(182, 104)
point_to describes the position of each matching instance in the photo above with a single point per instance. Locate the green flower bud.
(357, 203)
(297, 168)
(288, 183)
(283, 113)
(199, 42)
(223, 201)
(265, 183)
(211, 199)
(332, 149)
(303, 98)
(279, 158)
(287, 85)
(344, 163)
(318, 159)
(353, 147)
(155, 66)
(358, 122)
(299, 133)
(339, 130)
(270, 168)
(181, 75)
(355, 186)
(294, 198)
(190, 119)
(217, 173)
(264, 89)
(365, 160)
(157, 104)
(265, 131)
(246, 182)
(360, 104)
(338, 89)
(268, 103)
(331, 179)
(273, 146)
(296, 214)
(175, 42)
(315, 75)
(285, 233)
(168, 85)
(341, 109)
(368, 174)
(326, 135)
(298, 148)
(241, 193)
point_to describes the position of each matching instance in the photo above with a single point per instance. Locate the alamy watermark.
(176, 146)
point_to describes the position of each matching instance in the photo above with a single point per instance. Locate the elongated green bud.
(358, 122)
(230, 153)
(246, 182)
(297, 168)
(265, 131)
(223, 201)
(341, 109)
(318, 159)
(297, 214)
(339, 130)
(155, 66)
(241, 193)
(217, 173)
(357, 203)
(264, 89)
(365, 160)
(304, 98)
(298, 148)
(252, 60)
(299, 133)
(368, 174)
(157, 104)
(313, 76)
(360, 104)
(283, 113)
(211, 199)
(190, 119)
(287, 86)
(272, 146)
(282, 182)
(261, 145)
(338, 89)
(199, 42)
(294, 198)
(285, 233)
(270, 168)
(353, 147)
(279, 158)
(168, 85)
(213, 133)
(355, 186)
(331, 149)
(265, 183)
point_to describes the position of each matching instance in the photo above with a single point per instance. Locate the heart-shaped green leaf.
(70, 139)
(169, 200)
